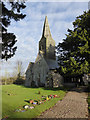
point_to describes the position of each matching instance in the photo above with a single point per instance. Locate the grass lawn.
(14, 96)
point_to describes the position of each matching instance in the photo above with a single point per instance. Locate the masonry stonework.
(42, 72)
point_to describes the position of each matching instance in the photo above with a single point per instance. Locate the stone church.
(42, 73)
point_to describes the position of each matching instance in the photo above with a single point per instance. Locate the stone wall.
(54, 79)
(29, 74)
(40, 70)
(50, 48)
(86, 79)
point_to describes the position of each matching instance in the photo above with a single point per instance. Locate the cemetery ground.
(74, 105)
(15, 97)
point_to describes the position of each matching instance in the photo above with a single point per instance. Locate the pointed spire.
(46, 29)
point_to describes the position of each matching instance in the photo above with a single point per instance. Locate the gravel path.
(73, 105)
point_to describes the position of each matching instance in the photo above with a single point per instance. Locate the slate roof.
(52, 63)
(30, 66)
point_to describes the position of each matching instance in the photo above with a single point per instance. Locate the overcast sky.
(29, 30)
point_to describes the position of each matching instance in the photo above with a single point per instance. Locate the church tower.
(47, 44)
(39, 73)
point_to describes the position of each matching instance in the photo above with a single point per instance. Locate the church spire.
(46, 29)
(47, 44)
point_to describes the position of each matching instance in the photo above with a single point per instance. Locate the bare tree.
(18, 72)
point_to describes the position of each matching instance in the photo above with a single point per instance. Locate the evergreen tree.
(9, 39)
(74, 51)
